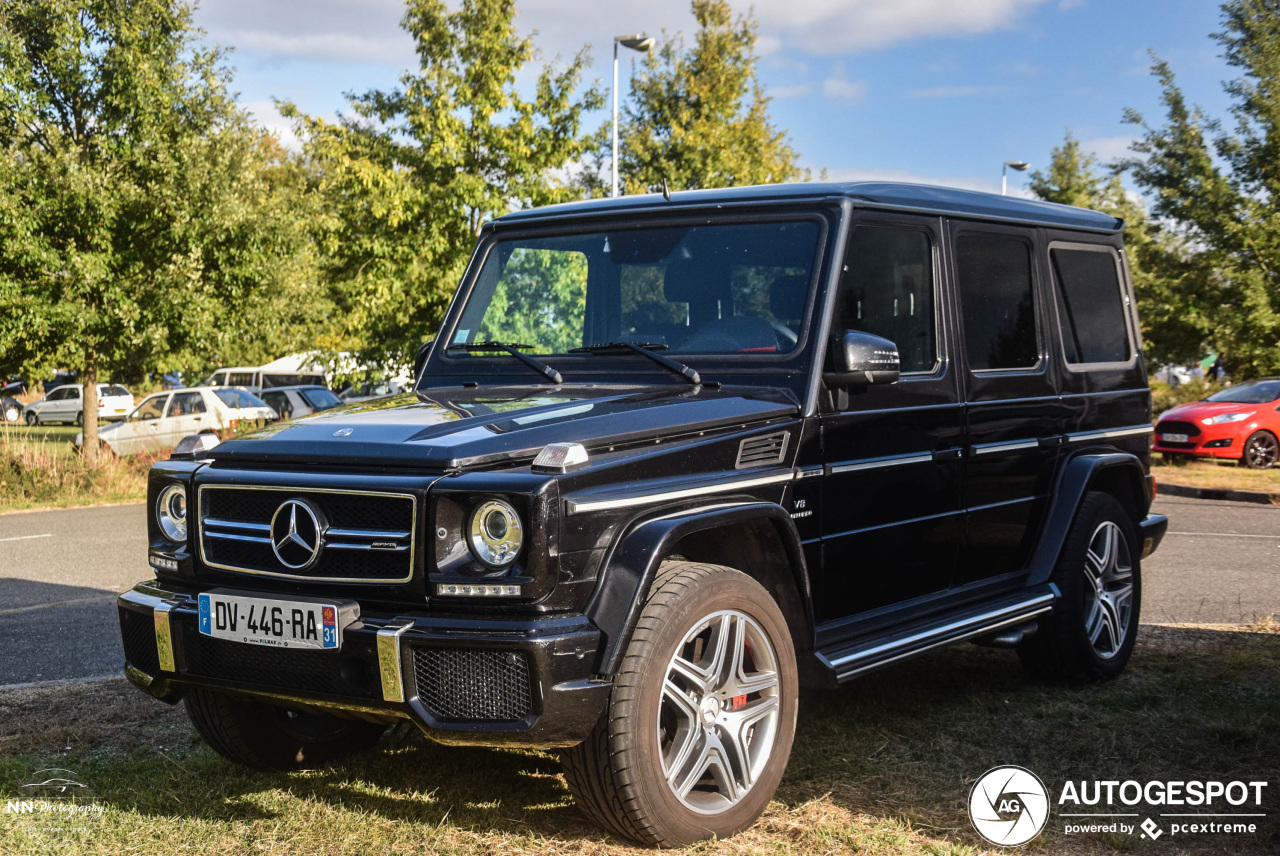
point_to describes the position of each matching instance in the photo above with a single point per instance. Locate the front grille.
(368, 536)
(350, 672)
(1172, 426)
(138, 632)
(469, 684)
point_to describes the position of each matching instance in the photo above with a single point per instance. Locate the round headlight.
(495, 533)
(171, 512)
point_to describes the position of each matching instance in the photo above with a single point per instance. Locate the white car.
(162, 419)
(368, 391)
(66, 404)
(291, 401)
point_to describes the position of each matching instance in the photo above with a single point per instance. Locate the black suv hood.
(455, 429)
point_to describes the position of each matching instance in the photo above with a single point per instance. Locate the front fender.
(1079, 475)
(632, 564)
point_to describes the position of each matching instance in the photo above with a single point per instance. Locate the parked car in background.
(377, 389)
(162, 419)
(61, 378)
(10, 409)
(14, 387)
(291, 401)
(66, 404)
(1240, 423)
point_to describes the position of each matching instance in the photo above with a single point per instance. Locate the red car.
(1240, 423)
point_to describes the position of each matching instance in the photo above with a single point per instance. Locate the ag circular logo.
(297, 533)
(1009, 806)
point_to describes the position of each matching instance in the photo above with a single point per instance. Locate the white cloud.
(964, 182)
(781, 92)
(1108, 149)
(837, 88)
(342, 31)
(267, 116)
(957, 91)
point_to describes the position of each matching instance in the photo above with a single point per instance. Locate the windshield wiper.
(511, 348)
(644, 349)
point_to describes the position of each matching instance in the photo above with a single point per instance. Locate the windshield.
(320, 398)
(239, 398)
(1253, 392)
(730, 288)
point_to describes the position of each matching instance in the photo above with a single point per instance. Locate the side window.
(72, 392)
(1093, 313)
(996, 302)
(186, 404)
(887, 290)
(152, 408)
(57, 395)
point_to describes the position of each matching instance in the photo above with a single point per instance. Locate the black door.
(1011, 393)
(891, 515)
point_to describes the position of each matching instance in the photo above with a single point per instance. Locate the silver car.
(162, 419)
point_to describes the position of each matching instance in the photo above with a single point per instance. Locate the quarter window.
(1093, 314)
(887, 290)
(994, 273)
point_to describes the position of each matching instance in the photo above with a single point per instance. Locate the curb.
(1165, 488)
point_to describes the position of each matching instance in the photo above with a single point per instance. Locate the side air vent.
(759, 451)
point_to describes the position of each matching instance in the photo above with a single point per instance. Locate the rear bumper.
(502, 682)
(1152, 532)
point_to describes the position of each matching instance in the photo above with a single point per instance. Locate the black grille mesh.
(463, 684)
(1172, 426)
(351, 672)
(345, 511)
(138, 632)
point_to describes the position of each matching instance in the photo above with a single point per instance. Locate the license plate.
(1175, 438)
(267, 621)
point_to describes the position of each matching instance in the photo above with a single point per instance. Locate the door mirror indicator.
(860, 358)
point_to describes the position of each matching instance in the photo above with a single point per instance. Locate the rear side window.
(996, 302)
(239, 398)
(887, 290)
(117, 389)
(320, 398)
(1093, 315)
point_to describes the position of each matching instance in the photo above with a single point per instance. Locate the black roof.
(872, 194)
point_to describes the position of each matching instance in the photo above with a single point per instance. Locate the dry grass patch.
(880, 767)
(1211, 474)
(37, 469)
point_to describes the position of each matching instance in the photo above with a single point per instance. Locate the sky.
(931, 91)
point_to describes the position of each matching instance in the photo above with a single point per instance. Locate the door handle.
(945, 455)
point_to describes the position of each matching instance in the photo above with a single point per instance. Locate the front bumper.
(1152, 532)
(523, 682)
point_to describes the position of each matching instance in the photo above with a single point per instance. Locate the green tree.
(1167, 279)
(1219, 189)
(701, 118)
(137, 219)
(410, 177)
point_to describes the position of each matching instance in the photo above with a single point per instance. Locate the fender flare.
(629, 568)
(1073, 483)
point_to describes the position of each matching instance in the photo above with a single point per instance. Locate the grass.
(1213, 474)
(39, 469)
(881, 767)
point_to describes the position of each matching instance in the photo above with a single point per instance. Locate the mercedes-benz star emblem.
(297, 533)
(343, 432)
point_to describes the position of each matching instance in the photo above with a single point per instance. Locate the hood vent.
(761, 451)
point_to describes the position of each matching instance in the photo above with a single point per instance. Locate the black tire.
(1075, 642)
(267, 737)
(33, 419)
(617, 775)
(80, 419)
(1261, 451)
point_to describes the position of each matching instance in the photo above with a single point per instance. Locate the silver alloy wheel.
(1108, 574)
(1261, 451)
(718, 715)
(12, 414)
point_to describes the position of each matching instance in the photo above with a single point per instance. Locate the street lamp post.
(639, 42)
(1020, 166)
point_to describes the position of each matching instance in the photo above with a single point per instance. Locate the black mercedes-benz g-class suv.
(666, 461)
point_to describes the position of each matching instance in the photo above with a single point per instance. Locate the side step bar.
(851, 659)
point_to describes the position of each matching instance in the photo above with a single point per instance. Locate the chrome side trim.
(1009, 446)
(926, 640)
(164, 636)
(202, 522)
(389, 663)
(876, 463)
(1090, 436)
(575, 507)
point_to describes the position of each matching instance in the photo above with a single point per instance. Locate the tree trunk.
(89, 447)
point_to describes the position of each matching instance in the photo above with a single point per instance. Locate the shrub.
(1163, 396)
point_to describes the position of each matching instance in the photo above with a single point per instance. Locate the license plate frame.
(296, 622)
(1176, 438)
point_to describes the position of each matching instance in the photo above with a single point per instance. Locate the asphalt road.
(60, 572)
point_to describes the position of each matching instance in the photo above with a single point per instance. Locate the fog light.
(162, 563)
(477, 590)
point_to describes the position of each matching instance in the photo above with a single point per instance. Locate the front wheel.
(33, 419)
(702, 715)
(12, 413)
(1091, 632)
(1261, 451)
(268, 737)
